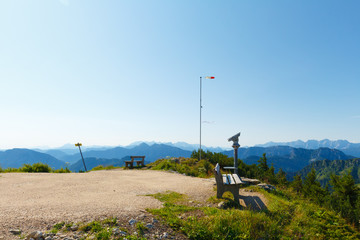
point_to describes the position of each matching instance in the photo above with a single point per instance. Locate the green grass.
(101, 230)
(286, 218)
(141, 228)
(57, 227)
(101, 167)
(169, 197)
(188, 166)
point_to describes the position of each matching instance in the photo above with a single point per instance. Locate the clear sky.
(112, 72)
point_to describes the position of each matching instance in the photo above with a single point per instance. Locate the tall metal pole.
(200, 118)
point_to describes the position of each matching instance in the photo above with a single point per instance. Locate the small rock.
(132, 221)
(74, 228)
(15, 231)
(164, 235)
(155, 221)
(37, 235)
(48, 238)
(116, 231)
(149, 225)
(221, 205)
(122, 233)
(142, 216)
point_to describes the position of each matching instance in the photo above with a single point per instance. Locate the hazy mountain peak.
(314, 144)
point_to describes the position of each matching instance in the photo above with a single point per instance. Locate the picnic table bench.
(227, 182)
(130, 164)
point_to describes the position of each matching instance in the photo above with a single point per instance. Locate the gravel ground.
(33, 201)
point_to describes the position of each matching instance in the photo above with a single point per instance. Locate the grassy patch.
(102, 230)
(141, 228)
(57, 227)
(285, 218)
(169, 197)
(188, 166)
(101, 167)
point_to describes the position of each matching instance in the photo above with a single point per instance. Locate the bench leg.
(235, 193)
(219, 191)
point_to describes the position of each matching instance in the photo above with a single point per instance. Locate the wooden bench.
(130, 164)
(227, 182)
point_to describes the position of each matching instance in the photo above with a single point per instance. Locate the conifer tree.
(263, 166)
(297, 184)
(312, 188)
(281, 177)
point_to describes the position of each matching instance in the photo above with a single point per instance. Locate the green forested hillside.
(325, 168)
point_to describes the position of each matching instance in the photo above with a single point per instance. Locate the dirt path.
(32, 201)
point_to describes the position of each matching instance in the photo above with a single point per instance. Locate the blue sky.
(115, 72)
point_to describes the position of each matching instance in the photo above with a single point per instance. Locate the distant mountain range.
(152, 152)
(94, 162)
(290, 159)
(345, 146)
(16, 157)
(182, 145)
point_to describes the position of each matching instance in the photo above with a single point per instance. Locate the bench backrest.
(217, 173)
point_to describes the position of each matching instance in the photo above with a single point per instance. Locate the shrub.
(188, 166)
(36, 167)
(62, 170)
(101, 167)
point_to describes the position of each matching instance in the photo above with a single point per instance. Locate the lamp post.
(200, 110)
(78, 145)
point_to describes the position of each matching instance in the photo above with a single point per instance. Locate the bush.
(36, 167)
(62, 170)
(188, 166)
